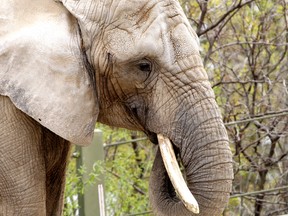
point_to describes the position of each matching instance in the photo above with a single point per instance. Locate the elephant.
(136, 64)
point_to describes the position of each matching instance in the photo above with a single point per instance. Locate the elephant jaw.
(175, 174)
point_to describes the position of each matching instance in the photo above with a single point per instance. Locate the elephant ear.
(87, 16)
(42, 69)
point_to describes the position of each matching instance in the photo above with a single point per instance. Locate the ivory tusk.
(175, 174)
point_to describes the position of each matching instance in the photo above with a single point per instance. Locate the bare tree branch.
(238, 6)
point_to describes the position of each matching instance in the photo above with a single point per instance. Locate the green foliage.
(75, 185)
(127, 168)
(233, 205)
(72, 188)
(127, 173)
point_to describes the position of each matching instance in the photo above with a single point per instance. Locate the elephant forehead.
(144, 8)
(131, 42)
(151, 28)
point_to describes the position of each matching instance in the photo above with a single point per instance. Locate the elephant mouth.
(175, 174)
(152, 137)
(173, 170)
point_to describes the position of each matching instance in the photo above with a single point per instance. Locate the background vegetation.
(244, 47)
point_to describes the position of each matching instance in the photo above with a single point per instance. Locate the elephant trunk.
(204, 151)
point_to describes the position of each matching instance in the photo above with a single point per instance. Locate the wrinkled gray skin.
(127, 63)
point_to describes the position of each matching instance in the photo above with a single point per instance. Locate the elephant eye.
(145, 66)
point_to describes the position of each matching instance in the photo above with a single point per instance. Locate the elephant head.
(132, 64)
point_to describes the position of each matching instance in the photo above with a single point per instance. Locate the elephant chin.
(175, 175)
